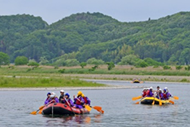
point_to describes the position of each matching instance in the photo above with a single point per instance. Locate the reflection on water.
(74, 120)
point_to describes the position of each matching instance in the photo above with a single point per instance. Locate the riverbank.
(129, 78)
(44, 82)
(106, 87)
(125, 72)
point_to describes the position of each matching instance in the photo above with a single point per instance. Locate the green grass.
(122, 71)
(22, 82)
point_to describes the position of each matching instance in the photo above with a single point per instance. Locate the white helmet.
(166, 88)
(52, 96)
(52, 93)
(62, 91)
(151, 87)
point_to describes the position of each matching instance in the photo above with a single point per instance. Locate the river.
(120, 110)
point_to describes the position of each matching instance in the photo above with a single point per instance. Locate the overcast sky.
(122, 10)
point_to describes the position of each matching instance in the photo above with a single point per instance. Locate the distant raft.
(149, 101)
(62, 109)
(137, 81)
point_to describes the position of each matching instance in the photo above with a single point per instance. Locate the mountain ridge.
(97, 35)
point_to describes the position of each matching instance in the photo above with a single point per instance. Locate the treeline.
(83, 36)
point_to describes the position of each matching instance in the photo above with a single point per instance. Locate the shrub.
(187, 68)
(141, 63)
(95, 61)
(21, 60)
(110, 65)
(56, 67)
(60, 62)
(165, 67)
(129, 60)
(33, 63)
(93, 68)
(72, 62)
(61, 70)
(178, 67)
(83, 64)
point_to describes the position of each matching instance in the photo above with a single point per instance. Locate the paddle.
(35, 112)
(171, 102)
(69, 106)
(153, 102)
(136, 98)
(175, 97)
(137, 102)
(98, 108)
(160, 102)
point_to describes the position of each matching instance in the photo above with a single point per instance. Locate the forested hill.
(87, 35)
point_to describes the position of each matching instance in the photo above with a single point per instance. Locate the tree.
(43, 60)
(21, 60)
(72, 62)
(95, 61)
(110, 65)
(4, 59)
(33, 63)
(141, 63)
(83, 64)
(60, 62)
(129, 60)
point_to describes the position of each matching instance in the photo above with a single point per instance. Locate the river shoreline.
(107, 87)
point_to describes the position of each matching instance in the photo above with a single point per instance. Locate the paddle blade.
(175, 97)
(153, 102)
(101, 111)
(97, 107)
(137, 102)
(160, 103)
(136, 98)
(40, 112)
(171, 102)
(34, 113)
(88, 108)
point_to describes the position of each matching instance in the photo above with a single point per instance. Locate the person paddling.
(166, 94)
(68, 101)
(53, 98)
(144, 92)
(160, 95)
(61, 97)
(157, 91)
(150, 93)
(78, 101)
(86, 100)
(47, 99)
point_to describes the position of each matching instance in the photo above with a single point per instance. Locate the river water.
(120, 110)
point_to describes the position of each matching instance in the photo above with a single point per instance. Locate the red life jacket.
(147, 92)
(164, 95)
(67, 102)
(78, 101)
(85, 100)
(144, 94)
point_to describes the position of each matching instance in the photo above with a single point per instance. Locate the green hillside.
(87, 35)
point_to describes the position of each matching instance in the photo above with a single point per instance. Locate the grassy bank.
(120, 70)
(118, 73)
(24, 82)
